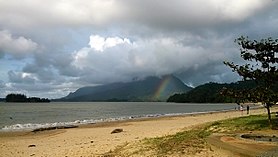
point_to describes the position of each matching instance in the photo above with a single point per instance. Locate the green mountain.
(210, 93)
(149, 89)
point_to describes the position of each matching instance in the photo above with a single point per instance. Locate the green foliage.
(261, 66)
(187, 142)
(16, 98)
(250, 123)
(22, 98)
(210, 93)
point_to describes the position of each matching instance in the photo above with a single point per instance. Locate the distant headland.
(22, 98)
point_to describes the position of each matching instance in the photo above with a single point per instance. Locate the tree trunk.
(269, 115)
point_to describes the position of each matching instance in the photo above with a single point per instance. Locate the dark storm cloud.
(20, 78)
(70, 44)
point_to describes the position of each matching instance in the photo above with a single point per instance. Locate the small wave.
(31, 126)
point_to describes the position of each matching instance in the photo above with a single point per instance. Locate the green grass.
(187, 142)
(250, 123)
(193, 141)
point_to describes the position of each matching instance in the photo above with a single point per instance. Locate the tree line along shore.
(23, 98)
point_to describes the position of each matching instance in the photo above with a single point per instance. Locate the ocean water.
(28, 116)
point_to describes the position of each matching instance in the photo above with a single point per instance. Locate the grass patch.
(187, 142)
(118, 150)
(192, 141)
(250, 123)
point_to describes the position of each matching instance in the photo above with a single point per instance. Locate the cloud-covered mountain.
(149, 89)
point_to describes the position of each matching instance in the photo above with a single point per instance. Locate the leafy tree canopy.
(22, 98)
(261, 66)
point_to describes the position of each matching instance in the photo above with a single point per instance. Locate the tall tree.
(262, 67)
(16, 98)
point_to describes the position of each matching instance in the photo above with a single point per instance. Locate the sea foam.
(30, 126)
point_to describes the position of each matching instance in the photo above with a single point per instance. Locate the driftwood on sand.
(55, 127)
(117, 131)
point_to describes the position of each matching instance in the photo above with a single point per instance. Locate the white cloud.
(100, 43)
(141, 58)
(16, 46)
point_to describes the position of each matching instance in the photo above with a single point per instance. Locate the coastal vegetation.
(23, 98)
(259, 73)
(194, 141)
(262, 67)
(210, 93)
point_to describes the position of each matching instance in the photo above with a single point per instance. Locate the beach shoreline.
(96, 139)
(63, 114)
(83, 122)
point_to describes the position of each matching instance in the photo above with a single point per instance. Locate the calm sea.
(18, 116)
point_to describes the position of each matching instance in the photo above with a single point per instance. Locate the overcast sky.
(49, 48)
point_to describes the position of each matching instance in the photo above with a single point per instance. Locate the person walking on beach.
(247, 109)
(241, 109)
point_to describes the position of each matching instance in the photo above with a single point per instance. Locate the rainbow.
(161, 88)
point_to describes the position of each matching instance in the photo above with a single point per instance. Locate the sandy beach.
(96, 139)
